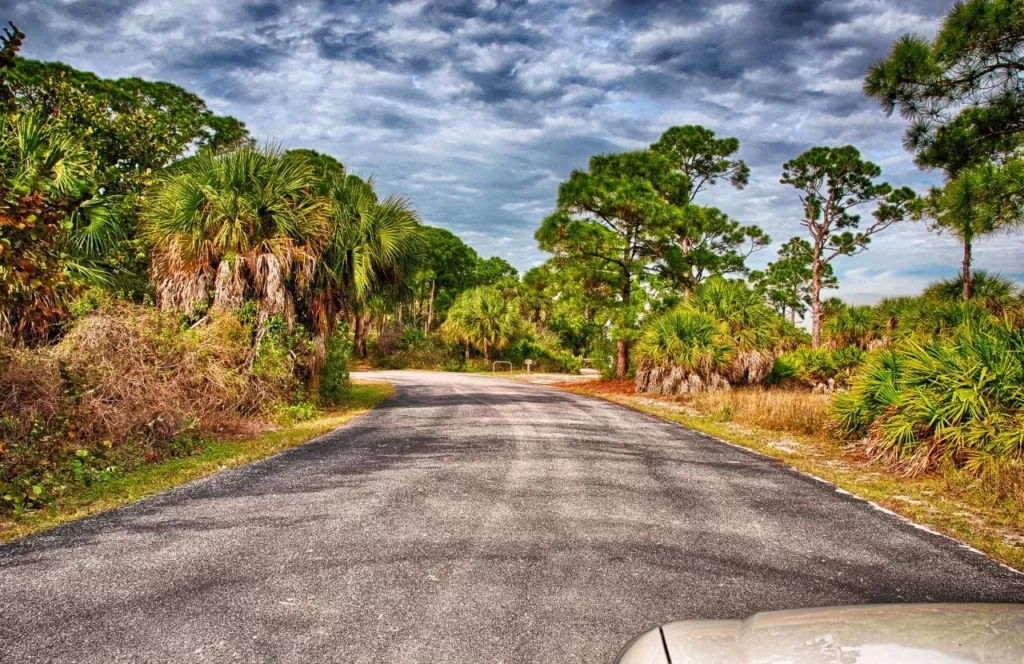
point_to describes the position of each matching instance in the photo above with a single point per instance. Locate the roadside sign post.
(528, 363)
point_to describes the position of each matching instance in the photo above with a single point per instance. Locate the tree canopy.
(703, 241)
(964, 97)
(833, 182)
(615, 215)
(962, 90)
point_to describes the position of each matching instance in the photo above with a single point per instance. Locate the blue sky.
(477, 109)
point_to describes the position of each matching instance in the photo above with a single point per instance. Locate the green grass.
(969, 509)
(215, 457)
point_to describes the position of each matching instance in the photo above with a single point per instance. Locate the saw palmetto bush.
(686, 338)
(956, 399)
(820, 369)
(684, 350)
(722, 334)
(986, 288)
(748, 320)
(851, 327)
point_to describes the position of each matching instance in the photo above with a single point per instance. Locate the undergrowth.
(129, 385)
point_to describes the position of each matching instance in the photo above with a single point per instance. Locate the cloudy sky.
(477, 109)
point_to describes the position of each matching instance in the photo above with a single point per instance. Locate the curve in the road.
(467, 519)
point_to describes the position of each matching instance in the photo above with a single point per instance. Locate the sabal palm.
(371, 248)
(243, 222)
(484, 318)
(44, 165)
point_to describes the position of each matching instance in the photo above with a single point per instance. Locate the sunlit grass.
(778, 410)
(215, 457)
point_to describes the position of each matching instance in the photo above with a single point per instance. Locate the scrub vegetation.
(165, 280)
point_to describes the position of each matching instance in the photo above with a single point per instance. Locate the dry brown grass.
(143, 376)
(31, 390)
(778, 410)
(129, 381)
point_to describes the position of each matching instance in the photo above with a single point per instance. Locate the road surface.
(468, 519)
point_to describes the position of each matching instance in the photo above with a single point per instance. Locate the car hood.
(904, 633)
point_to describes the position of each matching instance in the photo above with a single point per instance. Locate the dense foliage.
(722, 334)
(956, 398)
(143, 235)
(964, 97)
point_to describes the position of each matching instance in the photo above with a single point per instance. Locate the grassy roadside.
(215, 457)
(973, 511)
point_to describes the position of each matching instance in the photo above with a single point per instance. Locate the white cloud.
(879, 17)
(481, 118)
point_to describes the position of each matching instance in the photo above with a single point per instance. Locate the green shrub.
(412, 337)
(288, 414)
(544, 349)
(278, 356)
(811, 367)
(851, 326)
(955, 399)
(398, 347)
(334, 380)
(785, 369)
(685, 338)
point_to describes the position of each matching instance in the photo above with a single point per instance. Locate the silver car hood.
(903, 633)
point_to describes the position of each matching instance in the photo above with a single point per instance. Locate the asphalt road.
(468, 519)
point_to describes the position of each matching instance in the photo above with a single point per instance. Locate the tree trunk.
(816, 303)
(363, 323)
(487, 353)
(229, 288)
(467, 351)
(792, 315)
(622, 363)
(968, 286)
(357, 332)
(430, 307)
(685, 245)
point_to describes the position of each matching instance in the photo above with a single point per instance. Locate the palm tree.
(55, 226)
(244, 223)
(372, 247)
(456, 327)
(965, 208)
(484, 318)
